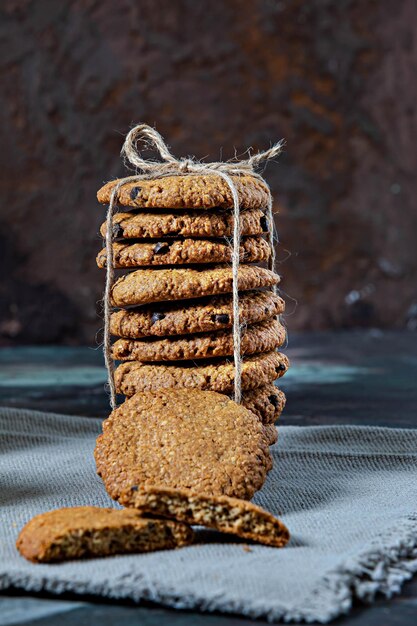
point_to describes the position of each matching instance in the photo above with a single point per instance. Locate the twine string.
(171, 166)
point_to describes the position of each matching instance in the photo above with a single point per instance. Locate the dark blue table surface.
(367, 377)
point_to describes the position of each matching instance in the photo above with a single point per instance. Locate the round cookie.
(215, 375)
(266, 402)
(271, 434)
(198, 316)
(189, 192)
(194, 224)
(262, 337)
(183, 439)
(184, 251)
(179, 283)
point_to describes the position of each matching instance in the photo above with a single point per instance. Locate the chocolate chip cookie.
(183, 438)
(195, 316)
(184, 251)
(262, 337)
(162, 284)
(214, 375)
(266, 402)
(88, 531)
(189, 192)
(225, 514)
(271, 434)
(185, 224)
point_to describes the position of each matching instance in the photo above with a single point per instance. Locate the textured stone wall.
(335, 78)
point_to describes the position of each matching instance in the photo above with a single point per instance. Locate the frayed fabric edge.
(381, 568)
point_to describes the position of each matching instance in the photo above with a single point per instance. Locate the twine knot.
(170, 165)
(185, 165)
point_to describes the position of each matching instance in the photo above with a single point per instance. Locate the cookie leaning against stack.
(183, 439)
(175, 317)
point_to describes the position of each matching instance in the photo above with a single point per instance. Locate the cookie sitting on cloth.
(183, 439)
(90, 532)
(174, 185)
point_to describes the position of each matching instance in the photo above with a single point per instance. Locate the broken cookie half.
(223, 513)
(88, 531)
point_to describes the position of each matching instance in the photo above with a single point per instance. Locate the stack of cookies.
(175, 453)
(173, 244)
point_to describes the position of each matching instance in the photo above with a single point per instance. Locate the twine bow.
(171, 166)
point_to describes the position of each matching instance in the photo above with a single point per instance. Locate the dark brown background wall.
(336, 78)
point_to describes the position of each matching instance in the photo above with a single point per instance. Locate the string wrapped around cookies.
(231, 172)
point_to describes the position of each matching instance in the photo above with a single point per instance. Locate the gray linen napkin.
(348, 494)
